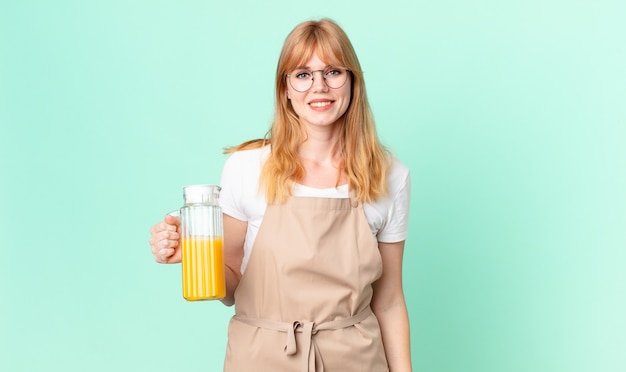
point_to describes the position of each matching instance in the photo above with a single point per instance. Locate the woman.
(315, 219)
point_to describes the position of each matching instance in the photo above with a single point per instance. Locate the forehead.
(314, 62)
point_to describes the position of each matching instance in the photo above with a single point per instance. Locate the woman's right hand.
(165, 240)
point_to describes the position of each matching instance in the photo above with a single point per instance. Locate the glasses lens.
(335, 77)
(302, 80)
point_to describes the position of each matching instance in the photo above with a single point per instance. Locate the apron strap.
(311, 357)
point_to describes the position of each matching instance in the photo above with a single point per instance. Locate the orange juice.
(203, 268)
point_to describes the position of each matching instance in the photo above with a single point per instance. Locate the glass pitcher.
(202, 231)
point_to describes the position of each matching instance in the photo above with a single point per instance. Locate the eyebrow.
(309, 68)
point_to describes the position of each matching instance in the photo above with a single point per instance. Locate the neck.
(321, 145)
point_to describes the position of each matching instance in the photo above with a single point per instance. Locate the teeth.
(320, 104)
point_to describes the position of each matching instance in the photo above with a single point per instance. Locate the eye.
(302, 74)
(334, 72)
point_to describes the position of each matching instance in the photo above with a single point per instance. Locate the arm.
(234, 237)
(390, 308)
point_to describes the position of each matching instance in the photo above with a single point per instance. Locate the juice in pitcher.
(203, 268)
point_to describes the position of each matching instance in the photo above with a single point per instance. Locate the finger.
(162, 226)
(164, 255)
(164, 241)
(156, 238)
(172, 220)
(167, 235)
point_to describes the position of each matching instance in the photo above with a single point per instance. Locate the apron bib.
(303, 303)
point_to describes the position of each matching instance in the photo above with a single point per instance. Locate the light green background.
(510, 114)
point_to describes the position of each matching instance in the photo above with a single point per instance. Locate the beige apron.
(303, 303)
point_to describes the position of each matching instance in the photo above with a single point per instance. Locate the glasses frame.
(323, 77)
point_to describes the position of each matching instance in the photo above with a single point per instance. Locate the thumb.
(172, 218)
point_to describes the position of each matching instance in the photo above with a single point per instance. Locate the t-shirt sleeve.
(231, 183)
(397, 220)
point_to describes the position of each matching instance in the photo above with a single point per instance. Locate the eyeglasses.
(301, 80)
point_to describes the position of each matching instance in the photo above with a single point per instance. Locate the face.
(320, 105)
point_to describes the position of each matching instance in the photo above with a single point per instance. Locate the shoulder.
(399, 176)
(245, 163)
(240, 196)
(244, 166)
(249, 157)
(388, 215)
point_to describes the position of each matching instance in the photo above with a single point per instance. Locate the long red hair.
(365, 161)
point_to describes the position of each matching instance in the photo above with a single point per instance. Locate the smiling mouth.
(320, 104)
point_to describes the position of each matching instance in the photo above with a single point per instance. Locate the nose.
(319, 83)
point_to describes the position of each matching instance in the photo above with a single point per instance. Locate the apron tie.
(311, 357)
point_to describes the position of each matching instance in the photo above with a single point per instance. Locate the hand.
(165, 240)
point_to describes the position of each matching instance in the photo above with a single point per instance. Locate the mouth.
(321, 103)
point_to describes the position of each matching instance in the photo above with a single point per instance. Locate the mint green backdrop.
(510, 114)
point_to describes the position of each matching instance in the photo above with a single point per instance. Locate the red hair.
(365, 161)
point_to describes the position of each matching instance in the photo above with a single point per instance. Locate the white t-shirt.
(242, 199)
